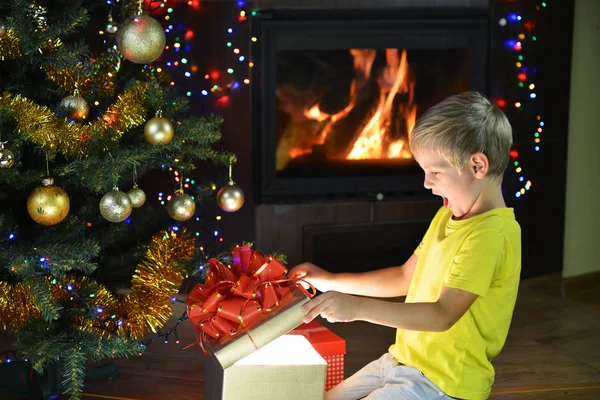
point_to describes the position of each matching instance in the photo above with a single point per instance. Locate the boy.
(461, 282)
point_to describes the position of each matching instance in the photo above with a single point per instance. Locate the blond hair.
(462, 125)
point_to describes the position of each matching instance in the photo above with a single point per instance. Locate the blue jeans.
(385, 379)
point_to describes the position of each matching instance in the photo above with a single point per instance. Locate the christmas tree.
(79, 126)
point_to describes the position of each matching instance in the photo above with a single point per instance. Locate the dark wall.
(237, 137)
(209, 53)
(540, 212)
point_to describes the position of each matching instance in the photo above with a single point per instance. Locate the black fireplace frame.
(285, 29)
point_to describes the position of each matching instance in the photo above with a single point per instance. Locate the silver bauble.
(115, 206)
(7, 158)
(141, 39)
(137, 196)
(74, 107)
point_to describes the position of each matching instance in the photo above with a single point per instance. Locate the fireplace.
(337, 93)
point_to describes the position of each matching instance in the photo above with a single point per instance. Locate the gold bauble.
(141, 39)
(159, 130)
(73, 107)
(115, 206)
(48, 204)
(182, 207)
(230, 197)
(137, 196)
(7, 158)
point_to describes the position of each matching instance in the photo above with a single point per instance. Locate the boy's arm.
(386, 282)
(470, 275)
(436, 317)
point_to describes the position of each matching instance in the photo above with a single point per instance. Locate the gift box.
(287, 368)
(239, 310)
(330, 346)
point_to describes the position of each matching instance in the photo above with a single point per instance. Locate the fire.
(373, 141)
(385, 104)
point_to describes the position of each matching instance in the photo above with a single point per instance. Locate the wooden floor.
(552, 352)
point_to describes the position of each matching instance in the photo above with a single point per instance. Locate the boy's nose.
(427, 183)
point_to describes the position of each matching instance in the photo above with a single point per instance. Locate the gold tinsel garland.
(147, 307)
(16, 305)
(10, 47)
(156, 280)
(40, 125)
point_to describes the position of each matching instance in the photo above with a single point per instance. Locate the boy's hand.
(333, 306)
(312, 274)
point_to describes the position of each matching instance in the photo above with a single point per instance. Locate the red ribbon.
(234, 297)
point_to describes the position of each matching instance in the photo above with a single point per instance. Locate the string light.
(524, 76)
(216, 84)
(213, 78)
(178, 179)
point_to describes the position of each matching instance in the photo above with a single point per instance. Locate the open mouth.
(445, 201)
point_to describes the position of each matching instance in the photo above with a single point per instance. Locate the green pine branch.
(15, 179)
(42, 349)
(179, 105)
(67, 22)
(74, 256)
(34, 29)
(66, 56)
(44, 299)
(115, 347)
(74, 370)
(29, 271)
(191, 143)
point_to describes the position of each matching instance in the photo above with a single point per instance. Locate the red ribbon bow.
(234, 297)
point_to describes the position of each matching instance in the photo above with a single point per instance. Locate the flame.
(373, 141)
(311, 126)
(316, 114)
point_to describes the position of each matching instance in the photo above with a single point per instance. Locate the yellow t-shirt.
(482, 255)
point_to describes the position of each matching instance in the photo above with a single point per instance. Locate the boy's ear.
(479, 165)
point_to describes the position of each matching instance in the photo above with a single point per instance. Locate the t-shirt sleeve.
(475, 264)
(419, 249)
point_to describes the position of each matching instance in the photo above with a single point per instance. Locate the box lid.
(282, 319)
(325, 342)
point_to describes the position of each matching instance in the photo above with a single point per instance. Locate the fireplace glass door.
(339, 95)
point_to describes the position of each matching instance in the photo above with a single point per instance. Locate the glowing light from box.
(278, 353)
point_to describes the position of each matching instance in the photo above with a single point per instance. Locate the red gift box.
(330, 346)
